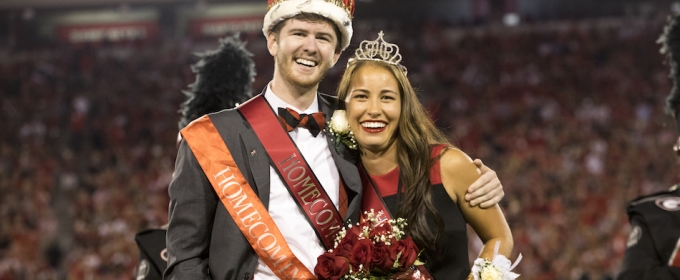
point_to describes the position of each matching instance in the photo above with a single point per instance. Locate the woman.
(400, 148)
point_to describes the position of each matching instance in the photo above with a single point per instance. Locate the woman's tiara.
(378, 50)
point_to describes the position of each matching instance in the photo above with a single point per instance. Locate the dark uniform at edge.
(652, 247)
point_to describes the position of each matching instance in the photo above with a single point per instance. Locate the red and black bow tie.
(290, 119)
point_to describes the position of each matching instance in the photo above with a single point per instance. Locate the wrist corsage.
(499, 268)
(339, 128)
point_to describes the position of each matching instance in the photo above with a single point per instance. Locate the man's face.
(304, 51)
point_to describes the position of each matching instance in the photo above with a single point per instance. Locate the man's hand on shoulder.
(486, 191)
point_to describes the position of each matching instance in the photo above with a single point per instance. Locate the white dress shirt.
(287, 215)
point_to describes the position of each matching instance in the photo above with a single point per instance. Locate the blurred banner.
(104, 25)
(220, 20)
(107, 32)
(222, 26)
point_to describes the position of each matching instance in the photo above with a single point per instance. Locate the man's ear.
(336, 56)
(272, 44)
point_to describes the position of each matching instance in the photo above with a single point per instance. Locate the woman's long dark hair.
(416, 135)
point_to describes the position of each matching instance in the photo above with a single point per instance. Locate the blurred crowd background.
(568, 111)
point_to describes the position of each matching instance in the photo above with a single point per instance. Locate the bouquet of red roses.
(376, 248)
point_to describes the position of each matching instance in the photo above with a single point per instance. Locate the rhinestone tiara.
(378, 50)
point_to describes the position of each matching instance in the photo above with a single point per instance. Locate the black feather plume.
(670, 46)
(223, 78)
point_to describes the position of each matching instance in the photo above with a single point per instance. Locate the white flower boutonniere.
(499, 268)
(339, 127)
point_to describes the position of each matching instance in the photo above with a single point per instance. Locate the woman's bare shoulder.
(458, 170)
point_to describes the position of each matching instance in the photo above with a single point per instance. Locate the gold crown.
(378, 50)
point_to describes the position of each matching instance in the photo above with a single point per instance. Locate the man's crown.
(347, 5)
(378, 50)
(340, 12)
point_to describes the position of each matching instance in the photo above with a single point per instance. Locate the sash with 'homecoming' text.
(241, 202)
(293, 170)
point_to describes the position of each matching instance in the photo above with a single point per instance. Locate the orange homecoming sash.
(241, 202)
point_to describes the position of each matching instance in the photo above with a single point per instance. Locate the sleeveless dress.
(452, 260)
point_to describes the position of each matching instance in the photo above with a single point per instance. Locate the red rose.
(395, 249)
(408, 249)
(345, 246)
(331, 267)
(361, 254)
(380, 258)
(383, 229)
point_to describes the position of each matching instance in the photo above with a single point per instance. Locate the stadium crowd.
(568, 113)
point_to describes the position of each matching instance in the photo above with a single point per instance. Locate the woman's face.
(374, 107)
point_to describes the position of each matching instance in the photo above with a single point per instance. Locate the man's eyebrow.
(307, 31)
(325, 33)
(295, 30)
(331, 37)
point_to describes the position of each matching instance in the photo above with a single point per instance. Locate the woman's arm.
(458, 172)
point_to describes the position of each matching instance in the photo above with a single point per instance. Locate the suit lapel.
(247, 150)
(258, 162)
(344, 160)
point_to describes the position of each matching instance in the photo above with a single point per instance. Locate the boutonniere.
(339, 128)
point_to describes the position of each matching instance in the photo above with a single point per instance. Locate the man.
(652, 250)
(223, 79)
(250, 199)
